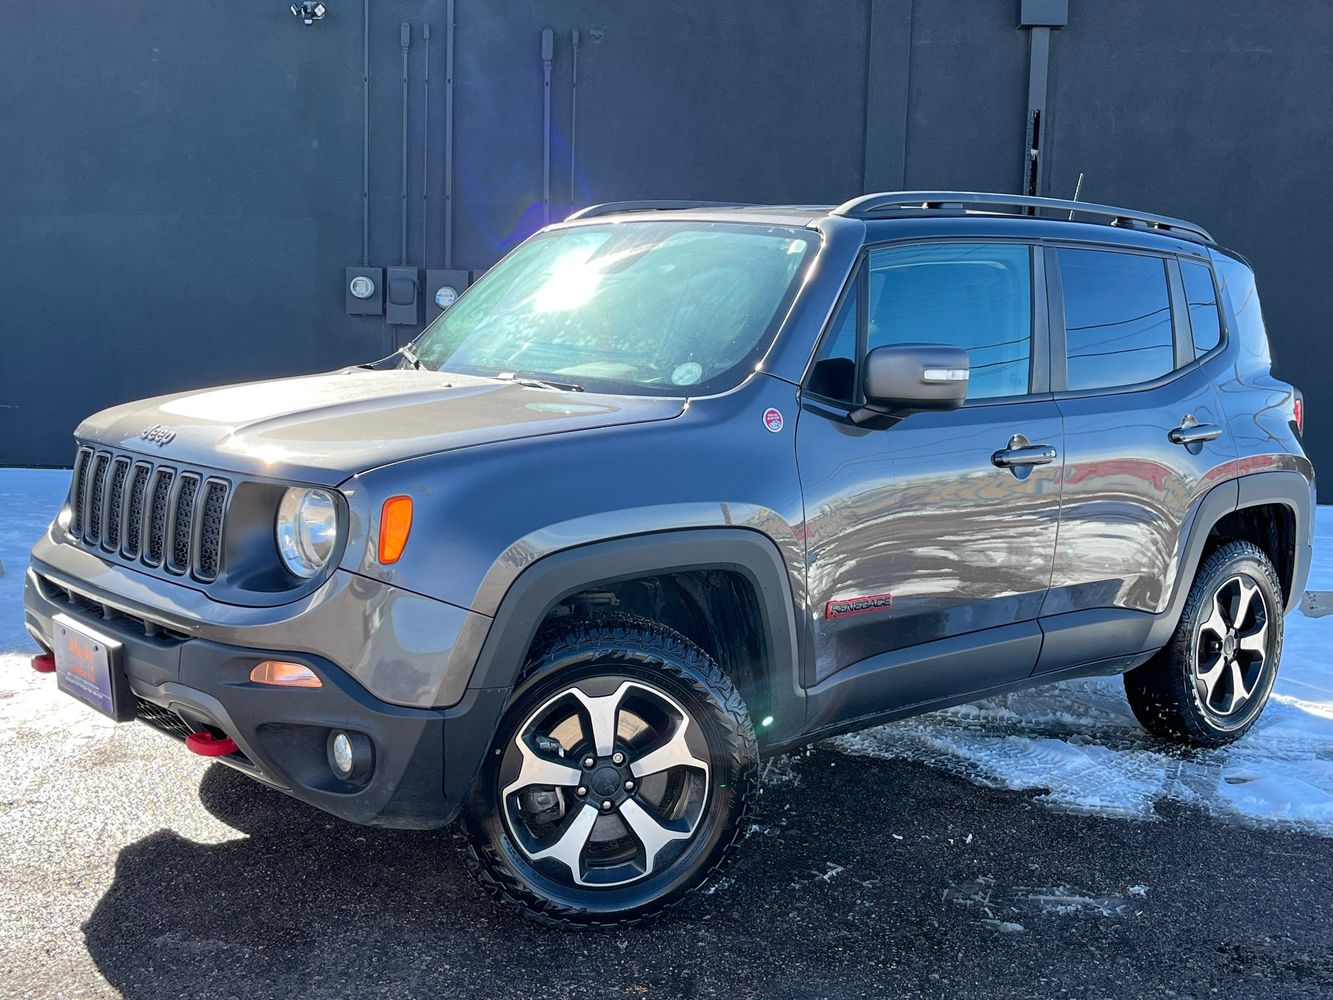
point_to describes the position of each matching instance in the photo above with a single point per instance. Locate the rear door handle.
(1023, 454)
(1194, 433)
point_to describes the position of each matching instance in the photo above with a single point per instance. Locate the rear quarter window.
(1201, 299)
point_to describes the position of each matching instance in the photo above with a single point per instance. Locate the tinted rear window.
(1201, 297)
(1117, 318)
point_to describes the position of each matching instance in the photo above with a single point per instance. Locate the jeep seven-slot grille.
(149, 512)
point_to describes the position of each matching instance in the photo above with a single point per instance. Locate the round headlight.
(307, 530)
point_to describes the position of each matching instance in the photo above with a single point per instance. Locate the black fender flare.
(551, 579)
(1290, 489)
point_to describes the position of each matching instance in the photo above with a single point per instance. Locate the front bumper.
(181, 682)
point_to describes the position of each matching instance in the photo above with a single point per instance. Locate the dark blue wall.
(180, 184)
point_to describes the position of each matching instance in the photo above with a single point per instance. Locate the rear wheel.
(618, 779)
(1210, 683)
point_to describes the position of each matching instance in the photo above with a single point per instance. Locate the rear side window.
(976, 296)
(1201, 297)
(1117, 318)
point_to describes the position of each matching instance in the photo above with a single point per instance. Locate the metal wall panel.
(182, 182)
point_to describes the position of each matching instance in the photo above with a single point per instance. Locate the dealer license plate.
(84, 664)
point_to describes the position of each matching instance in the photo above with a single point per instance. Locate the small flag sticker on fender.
(857, 606)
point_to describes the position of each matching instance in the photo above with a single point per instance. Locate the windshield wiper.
(538, 383)
(412, 359)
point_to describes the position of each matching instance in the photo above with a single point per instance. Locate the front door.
(930, 542)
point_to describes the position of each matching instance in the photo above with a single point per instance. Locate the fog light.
(342, 754)
(350, 755)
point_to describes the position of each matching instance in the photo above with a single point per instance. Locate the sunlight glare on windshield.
(572, 283)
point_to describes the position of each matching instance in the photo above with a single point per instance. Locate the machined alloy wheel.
(1210, 683)
(605, 787)
(1232, 646)
(619, 776)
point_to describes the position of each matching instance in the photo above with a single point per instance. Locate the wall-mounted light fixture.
(309, 11)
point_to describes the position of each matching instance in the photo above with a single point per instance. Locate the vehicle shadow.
(859, 878)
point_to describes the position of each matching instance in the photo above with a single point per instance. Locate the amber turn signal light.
(280, 673)
(395, 526)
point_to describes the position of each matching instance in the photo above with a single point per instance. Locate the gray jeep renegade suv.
(677, 486)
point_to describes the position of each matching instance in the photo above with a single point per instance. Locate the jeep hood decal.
(325, 428)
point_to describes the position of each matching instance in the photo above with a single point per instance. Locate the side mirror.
(909, 378)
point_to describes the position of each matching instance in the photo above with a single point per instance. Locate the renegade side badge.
(857, 606)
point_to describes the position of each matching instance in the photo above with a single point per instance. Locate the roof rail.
(909, 202)
(616, 207)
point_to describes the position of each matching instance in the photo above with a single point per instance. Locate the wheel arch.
(1275, 510)
(686, 557)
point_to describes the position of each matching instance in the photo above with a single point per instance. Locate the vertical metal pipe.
(548, 54)
(1039, 60)
(405, 40)
(449, 136)
(425, 146)
(365, 134)
(574, 122)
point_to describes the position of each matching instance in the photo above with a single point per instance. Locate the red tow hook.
(205, 744)
(44, 663)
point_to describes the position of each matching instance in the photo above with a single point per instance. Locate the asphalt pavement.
(131, 868)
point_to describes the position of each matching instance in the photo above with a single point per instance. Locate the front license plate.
(84, 664)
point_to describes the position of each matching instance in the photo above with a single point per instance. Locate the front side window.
(1117, 318)
(661, 308)
(976, 296)
(1201, 298)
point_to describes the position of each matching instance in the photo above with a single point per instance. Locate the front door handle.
(1191, 433)
(1021, 452)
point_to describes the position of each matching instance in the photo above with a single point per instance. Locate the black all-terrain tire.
(591, 650)
(1167, 695)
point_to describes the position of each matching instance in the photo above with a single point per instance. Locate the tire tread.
(594, 635)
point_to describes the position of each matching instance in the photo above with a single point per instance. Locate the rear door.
(919, 545)
(1134, 338)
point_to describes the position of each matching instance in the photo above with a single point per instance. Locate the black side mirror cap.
(901, 379)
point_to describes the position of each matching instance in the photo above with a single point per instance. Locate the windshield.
(662, 308)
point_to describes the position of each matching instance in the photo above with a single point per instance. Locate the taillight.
(1298, 414)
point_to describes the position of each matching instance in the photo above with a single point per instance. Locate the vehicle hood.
(325, 428)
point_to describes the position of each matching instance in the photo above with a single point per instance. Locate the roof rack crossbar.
(616, 207)
(870, 205)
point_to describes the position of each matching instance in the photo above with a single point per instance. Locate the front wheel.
(619, 777)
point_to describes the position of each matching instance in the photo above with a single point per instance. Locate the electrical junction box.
(1043, 14)
(364, 287)
(442, 289)
(402, 305)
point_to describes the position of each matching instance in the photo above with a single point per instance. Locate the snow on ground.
(1079, 743)
(29, 498)
(1076, 742)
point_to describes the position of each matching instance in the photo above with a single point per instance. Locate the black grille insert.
(210, 531)
(94, 518)
(115, 504)
(183, 523)
(134, 522)
(157, 518)
(155, 514)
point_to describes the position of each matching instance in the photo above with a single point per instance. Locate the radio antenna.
(1078, 188)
